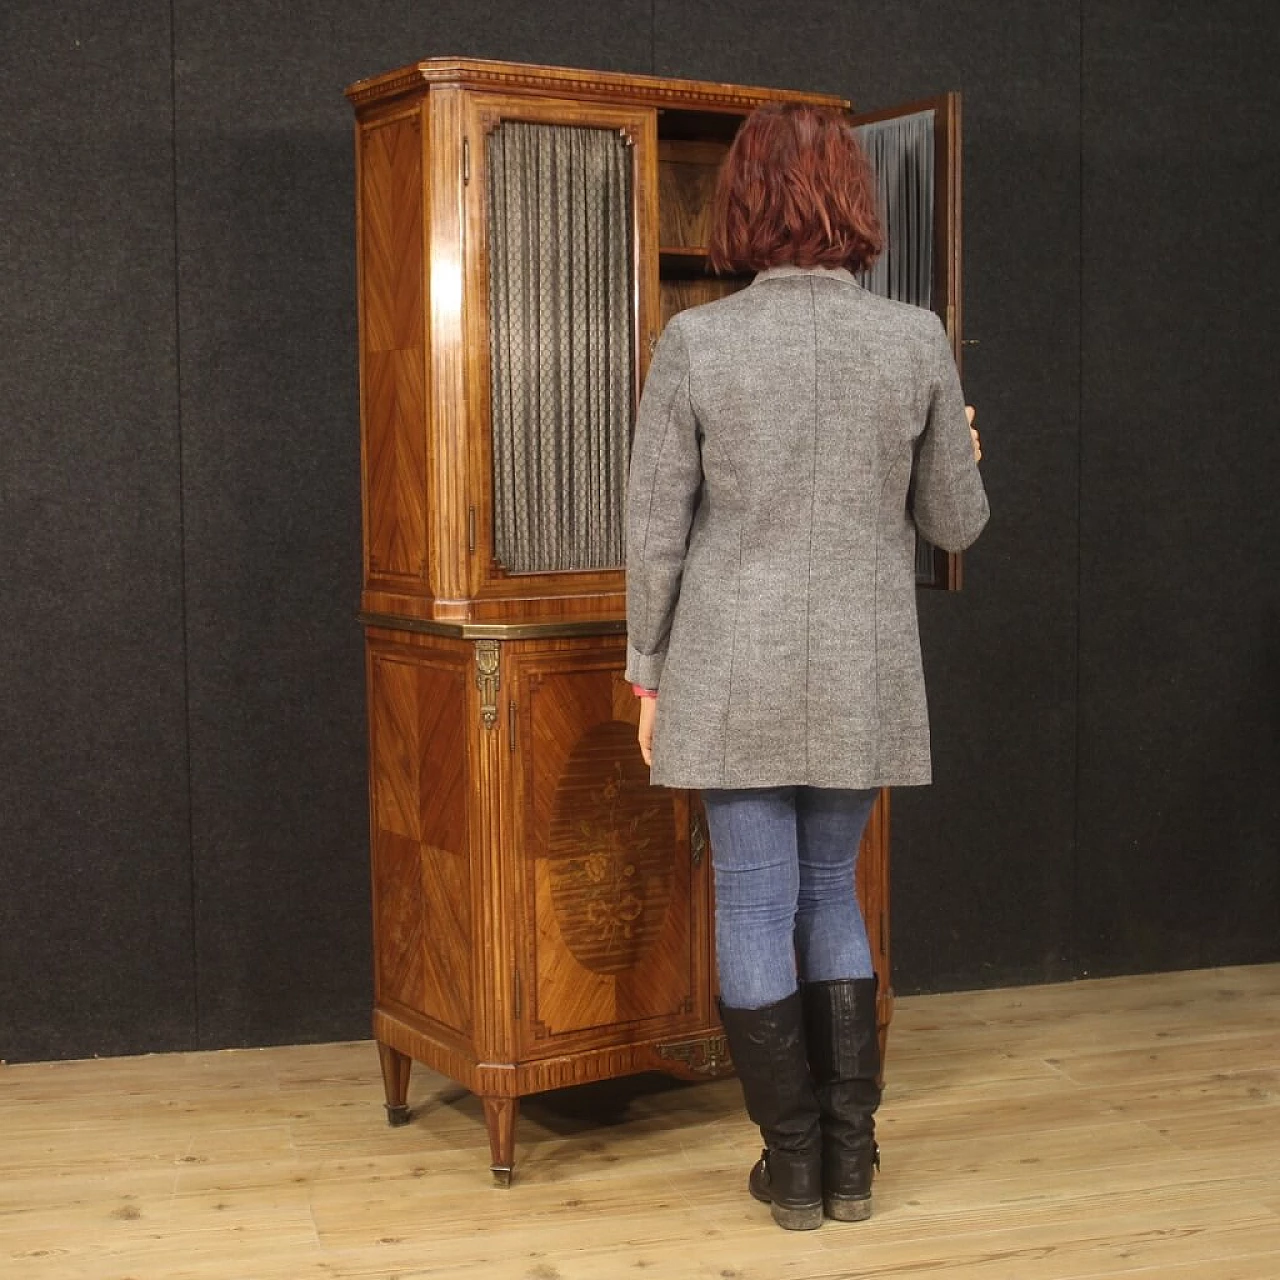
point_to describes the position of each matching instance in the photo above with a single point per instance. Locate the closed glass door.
(565, 234)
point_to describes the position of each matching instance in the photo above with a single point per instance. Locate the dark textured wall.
(95, 895)
(182, 813)
(1179, 762)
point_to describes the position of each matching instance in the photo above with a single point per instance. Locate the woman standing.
(792, 439)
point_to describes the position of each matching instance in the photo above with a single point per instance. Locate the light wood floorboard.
(1125, 1127)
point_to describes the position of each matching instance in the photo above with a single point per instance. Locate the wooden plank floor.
(1120, 1128)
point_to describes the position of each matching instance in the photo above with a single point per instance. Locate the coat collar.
(781, 272)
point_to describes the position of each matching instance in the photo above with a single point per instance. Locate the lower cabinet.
(542, 915)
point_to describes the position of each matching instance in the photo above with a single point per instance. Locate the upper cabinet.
(524, 233)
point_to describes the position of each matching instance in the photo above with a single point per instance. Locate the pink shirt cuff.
(641, 692)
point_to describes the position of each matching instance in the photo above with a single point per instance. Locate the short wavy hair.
(797, 189)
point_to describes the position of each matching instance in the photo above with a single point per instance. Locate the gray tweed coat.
(791, 439)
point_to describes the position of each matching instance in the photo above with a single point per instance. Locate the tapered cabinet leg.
(395, 1082)
(500, 1116)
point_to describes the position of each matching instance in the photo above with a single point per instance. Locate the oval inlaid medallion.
(611, 850)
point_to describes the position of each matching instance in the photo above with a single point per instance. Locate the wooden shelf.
(682, 258)
(686, 260)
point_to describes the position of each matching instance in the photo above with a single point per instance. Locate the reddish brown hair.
(795, 188)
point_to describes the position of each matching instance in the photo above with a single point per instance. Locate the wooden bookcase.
(542, 916)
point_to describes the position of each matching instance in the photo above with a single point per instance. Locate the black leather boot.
(844, 1056)
(768, 1051)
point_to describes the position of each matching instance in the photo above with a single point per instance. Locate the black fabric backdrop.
(182, 808)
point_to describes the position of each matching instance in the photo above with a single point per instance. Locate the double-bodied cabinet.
(542, 915)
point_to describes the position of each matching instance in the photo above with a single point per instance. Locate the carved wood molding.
(509, 76)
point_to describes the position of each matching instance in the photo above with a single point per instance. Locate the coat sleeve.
(949, 503)
(662, 496)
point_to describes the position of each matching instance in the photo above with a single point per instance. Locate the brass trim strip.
(494, 630)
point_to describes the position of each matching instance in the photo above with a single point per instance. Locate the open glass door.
(915, 151)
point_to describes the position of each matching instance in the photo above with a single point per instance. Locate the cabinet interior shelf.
(687, 260)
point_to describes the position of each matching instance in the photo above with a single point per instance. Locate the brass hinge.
(466, 161)
(511, 727)
(471, 531)
(519, 994)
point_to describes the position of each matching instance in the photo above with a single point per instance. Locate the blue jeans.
(784, 861)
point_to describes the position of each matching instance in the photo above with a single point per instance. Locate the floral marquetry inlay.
(610, 852)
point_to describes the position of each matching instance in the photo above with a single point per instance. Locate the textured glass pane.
(901, 152)
(561, 343)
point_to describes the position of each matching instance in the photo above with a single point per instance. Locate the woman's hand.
(648, 713)
(971, 413)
